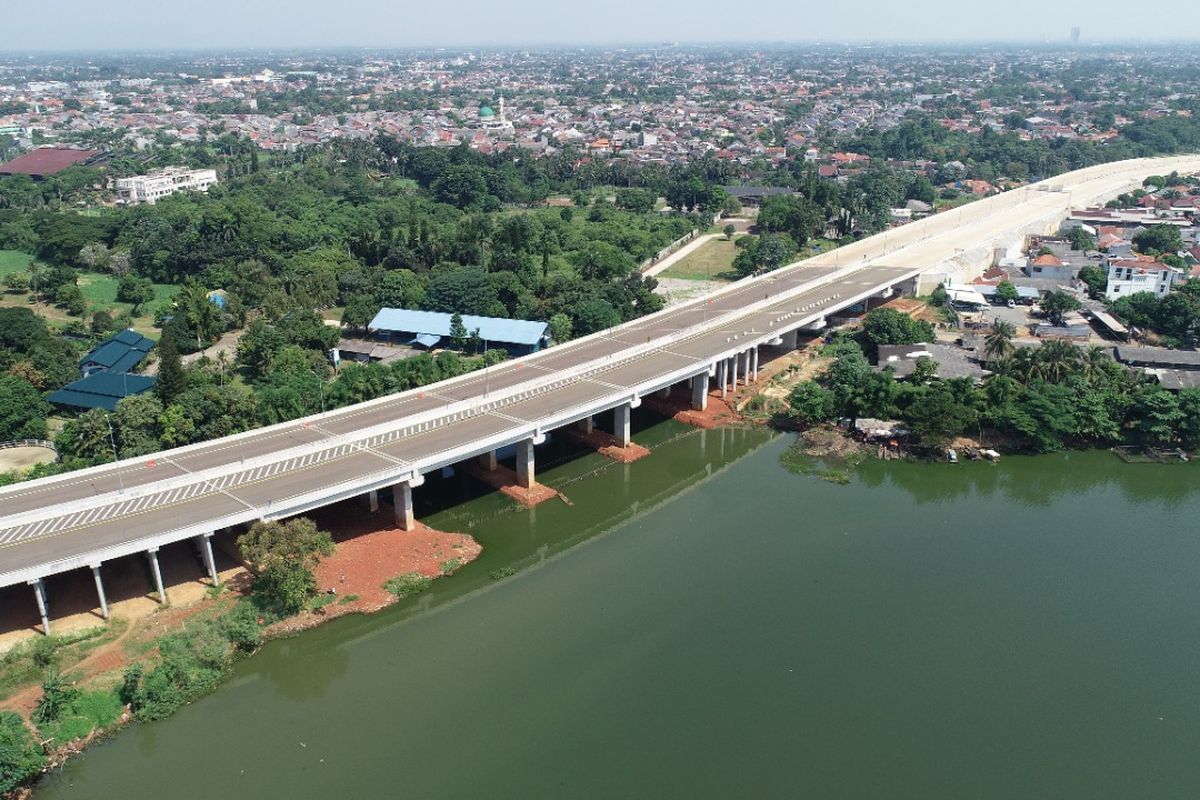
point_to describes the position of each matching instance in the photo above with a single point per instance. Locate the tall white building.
(1130, 277)
(151, 188)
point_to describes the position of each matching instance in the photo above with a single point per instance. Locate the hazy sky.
(153, 24)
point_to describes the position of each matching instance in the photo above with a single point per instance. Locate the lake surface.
(705, 624)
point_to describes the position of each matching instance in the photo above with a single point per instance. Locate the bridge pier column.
(373, 500)
(402, 500)
(487, 461)
(525, 467)
(664, 392)
(586, 425)
(100, 590)
(754, 363)
(722, 369)
(700, 391)
(204, 543)
(39, 591)
(621, 428)
(152, 556)
(790, 340)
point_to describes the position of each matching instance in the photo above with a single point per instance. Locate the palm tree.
(1095, 362)
(998, 344)
(1057, 359)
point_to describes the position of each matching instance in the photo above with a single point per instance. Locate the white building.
(151, 188)
(1130, 277)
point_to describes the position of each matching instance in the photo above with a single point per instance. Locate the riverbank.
(369, 553)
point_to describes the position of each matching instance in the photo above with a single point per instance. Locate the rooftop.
(119, 353)
(101, 390)
(437, 323)
(46, 161)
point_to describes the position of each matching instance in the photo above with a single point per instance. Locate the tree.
(282, 556)
(889, 326)
(1159, 239)
(171, 378)
(135, 421)
(729, 231)
(560, 328)
(135, 290)
(998, 344)
(637, 201)
(940, 415)
(458, 331)
(810, 402)
(22, 410)
(1057, 304)
(925, 369)
(764, 254)
(1007, 292)
(1096, 280)
(1155, 414)
(1081, 239)
(21, 759)
(594, 315)
(360, 309)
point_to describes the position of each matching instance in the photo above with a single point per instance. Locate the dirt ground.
(505, 480)
(606, 445)
(370, 551)
(12, 458)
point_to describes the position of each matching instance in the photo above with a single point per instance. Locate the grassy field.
(706, 263)
(100, 292)
(14, 261)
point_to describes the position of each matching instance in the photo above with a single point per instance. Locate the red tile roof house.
(46, 161)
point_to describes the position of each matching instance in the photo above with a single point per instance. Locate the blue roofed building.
(102, 390)
(119, 353)
(428, 329)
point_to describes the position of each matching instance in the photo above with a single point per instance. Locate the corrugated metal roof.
(101, 390)
(426, 339)
(120, 352)
(436, 323)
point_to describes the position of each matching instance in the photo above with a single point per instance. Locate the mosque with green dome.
(488, 118)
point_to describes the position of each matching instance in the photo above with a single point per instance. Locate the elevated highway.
(85, 518)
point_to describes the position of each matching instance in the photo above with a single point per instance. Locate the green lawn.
(705, 263)
(14, 261)
(100, 292)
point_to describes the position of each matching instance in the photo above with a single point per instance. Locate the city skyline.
(141, 25)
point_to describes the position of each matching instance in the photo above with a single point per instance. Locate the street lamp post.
(113, 441)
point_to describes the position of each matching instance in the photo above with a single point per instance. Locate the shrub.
(451, 566)
(21, 759)
(408, 584)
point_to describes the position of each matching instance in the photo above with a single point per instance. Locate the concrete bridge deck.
(90, 516)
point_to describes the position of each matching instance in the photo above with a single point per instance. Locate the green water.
(705, 624)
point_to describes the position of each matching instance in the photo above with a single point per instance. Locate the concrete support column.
(586, 425)
(621, 428)
(39, 591)
(152, 555)
(790, 340)
(100, 591)
(700, 391)
(487, 461)
(664, 392)
(754, 364)
(373, 500)
(722, 369)
(206, 553)
(402, 500)
(735, 365)
(525, 470)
